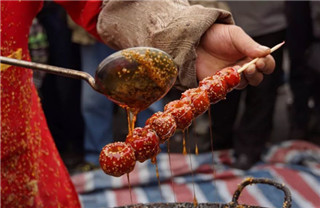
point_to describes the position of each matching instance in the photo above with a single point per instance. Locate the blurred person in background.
(303, 42)
(265, 22)
(97, 111)
(39, 49)
(60, 96)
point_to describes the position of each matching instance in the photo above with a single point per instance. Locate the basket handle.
(249, 181)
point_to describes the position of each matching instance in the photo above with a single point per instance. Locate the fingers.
(245, 44)
(243, 82)
(254, 73)
(253, 76)
(266, 65)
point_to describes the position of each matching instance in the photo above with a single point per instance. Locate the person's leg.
(97, 110)
(256, 123)
(60, 96)
(223, 117)
(299, 37)
(313, 66)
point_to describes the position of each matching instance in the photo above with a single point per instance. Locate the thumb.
(246, 45)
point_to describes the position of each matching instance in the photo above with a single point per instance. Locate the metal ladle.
(134, 78)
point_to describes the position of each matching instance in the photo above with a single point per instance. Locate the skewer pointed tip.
(277, 46)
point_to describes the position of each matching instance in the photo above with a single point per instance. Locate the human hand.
(228, 45)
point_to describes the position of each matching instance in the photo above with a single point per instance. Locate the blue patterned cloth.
(293, 163)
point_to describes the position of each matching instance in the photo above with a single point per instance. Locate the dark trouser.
(60, 96)
(299, 38)
(255, 124)
(223, 118)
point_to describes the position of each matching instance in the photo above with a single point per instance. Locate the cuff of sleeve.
(182, 36)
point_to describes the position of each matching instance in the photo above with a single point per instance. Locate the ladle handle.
(51, 69)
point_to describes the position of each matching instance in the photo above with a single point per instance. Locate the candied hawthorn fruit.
(117, 159)
(231, 77)
(163, 124)
(215, 87)
(199, 98)
(183, 112)
(145, 143)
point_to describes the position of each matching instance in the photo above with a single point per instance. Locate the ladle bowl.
(133, 78)
(136, 77)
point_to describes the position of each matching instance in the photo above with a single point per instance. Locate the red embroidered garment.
(32, 172)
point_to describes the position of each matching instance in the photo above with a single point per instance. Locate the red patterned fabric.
(32, 172)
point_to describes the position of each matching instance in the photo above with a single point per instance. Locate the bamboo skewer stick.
(245, 66)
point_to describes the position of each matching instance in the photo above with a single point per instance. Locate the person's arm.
(170, 25)
(177, 28)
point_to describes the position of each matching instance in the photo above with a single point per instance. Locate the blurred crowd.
(82, 121)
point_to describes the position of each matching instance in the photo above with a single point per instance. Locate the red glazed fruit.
(183, 112)
(145, 143)
(117, 159)
(199, 98)
(163, 124)
(231, 77)
(215, 87)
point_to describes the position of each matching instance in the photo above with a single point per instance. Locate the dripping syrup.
(195, 201)
(132, 117)
(211, 142)
(184, 150)
(171, 174)
(129, 184)
(154, 161)
(196, 150)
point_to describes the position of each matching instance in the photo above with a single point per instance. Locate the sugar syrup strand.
(155, 162)
(129, 184)
(171, 174)
(196, 150)
(211, 142)
(195, 201)
(129, 120)
(131, 116)
(184, 148)
(245, 66)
